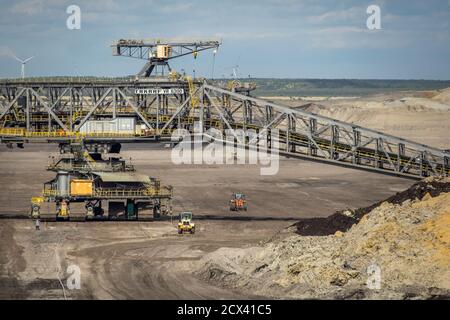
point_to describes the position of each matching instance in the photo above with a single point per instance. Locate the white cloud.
(30, 7)
(176, 7)
(347, 16)
(353, 38)
(5, 51)
(108, 17)
(33, 7)
(236, 35)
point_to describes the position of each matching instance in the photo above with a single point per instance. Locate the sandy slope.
(408, 243)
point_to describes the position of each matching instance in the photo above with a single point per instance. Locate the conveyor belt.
(54, 112)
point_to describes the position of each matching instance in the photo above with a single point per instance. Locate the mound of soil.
(404, 241)
(343, 220)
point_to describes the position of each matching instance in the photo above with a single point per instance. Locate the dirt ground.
(117, 260)
(300, 189)
(146, 260)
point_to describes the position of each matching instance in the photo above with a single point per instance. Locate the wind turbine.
(234, 71)
(23, 62)
(235, 68)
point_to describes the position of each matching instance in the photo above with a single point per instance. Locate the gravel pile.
(343, 220)
(405, 240)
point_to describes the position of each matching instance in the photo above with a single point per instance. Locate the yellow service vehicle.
(36, 203)
(185, 224)
(63, 210)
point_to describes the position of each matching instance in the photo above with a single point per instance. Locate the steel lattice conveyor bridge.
(59, 109)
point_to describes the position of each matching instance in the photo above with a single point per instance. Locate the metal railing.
(132, 193)
(150, 192)
(67, 166)
(81, 80)
(20, 132)
(12, 132)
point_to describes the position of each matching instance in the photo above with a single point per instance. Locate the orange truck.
(238, 202)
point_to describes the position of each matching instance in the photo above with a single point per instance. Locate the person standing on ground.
(38, 225)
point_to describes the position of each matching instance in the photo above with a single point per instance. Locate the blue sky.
(266, 38)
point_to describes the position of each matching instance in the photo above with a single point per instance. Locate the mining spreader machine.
(91, 186)
(90, 118)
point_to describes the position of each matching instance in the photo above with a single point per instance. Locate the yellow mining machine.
(88, 186)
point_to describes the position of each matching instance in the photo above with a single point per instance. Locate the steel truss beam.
(309, 134)
(66, 107)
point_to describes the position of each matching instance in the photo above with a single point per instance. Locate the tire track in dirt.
(11, 263)
(147, 270)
